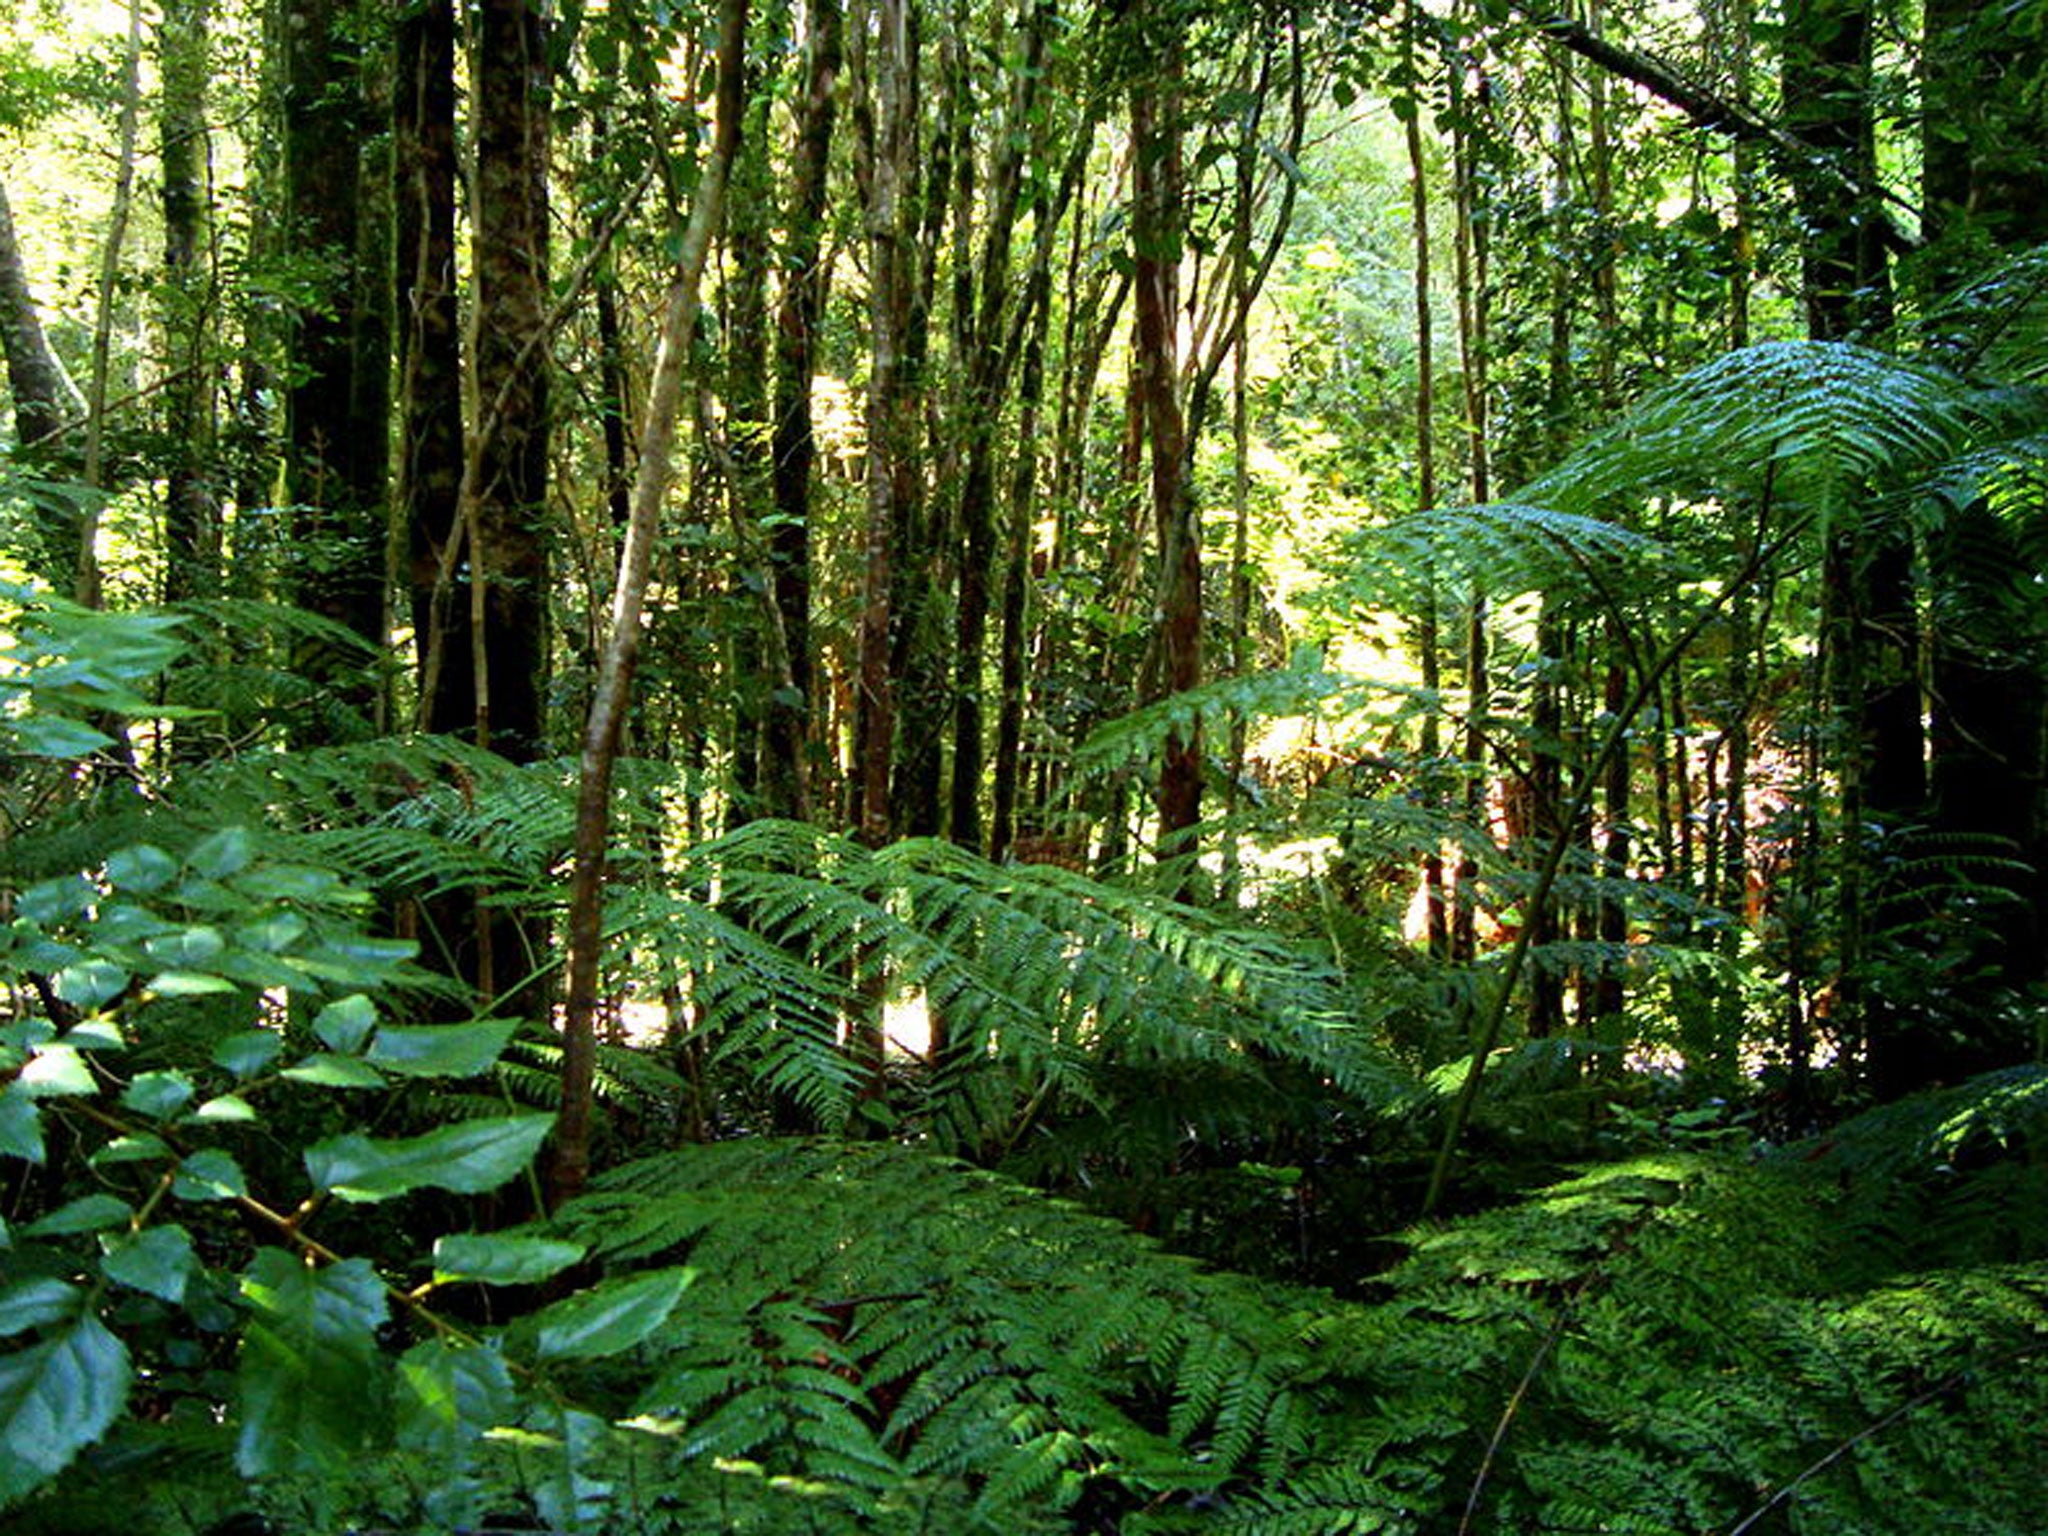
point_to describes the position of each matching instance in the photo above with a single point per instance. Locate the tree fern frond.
(1817, 420)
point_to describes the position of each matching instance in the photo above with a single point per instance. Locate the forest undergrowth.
(1135, 1251)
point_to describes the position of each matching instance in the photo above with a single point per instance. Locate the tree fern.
(871, 1315)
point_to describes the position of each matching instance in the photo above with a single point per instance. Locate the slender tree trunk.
(1428, 640)
(891, 410)
(88, 570)
(1156, 236)
(1867, 572)
(986, 395)
(787, 774)
(1036, 318)
(1474, 343)
(757, 673)
(612, 690)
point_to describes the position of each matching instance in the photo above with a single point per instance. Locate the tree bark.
(508, 611)
(569, 1165)
(787, 771)
(1156, 193)
(36, 384)
(431, 446)
(192, 551)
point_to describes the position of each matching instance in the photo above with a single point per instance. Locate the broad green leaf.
(310, 1382)
(189, 949)
(88, 1213)
(189, 984)
(139, 1148)
(343, 1025)
(496, 1259)
(610, 1317)
(141, 868)
(227, 852)
(441, 1050)
(288, 882)
(568, 1498)
(95, 1035)
(209, 1174)
(54, 736)
(327, 1070)
(54, 901)
(449, 1395)
(90, 983)
(225, 1109)
(248, 1052)
(56, 1072)
(273, 932)
(21, 1127)
(36, 1303)
(158, 1260)
(468, 1158)
(158, 1095)
(55, 1400)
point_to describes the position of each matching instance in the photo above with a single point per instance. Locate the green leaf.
(54, 736)
(330, 1071)
(158, 1260)
(564, 1493)
(141, 868)
(189, 984)
(55, 1400)
(190, 949)
(609, 1317)
(209, 1174)
(288, 882)
(140, 1148)
(309, 1380)
(441, 1050)
(49, 902)
(343, 1025)
(21, 1127)
(36, 1303)
(88, 1213)
(90, 983)
(468, 1159)
(56, 1072)
(227, 852)
(225, 1109)
(273, 932)
(248, 1052)
(449, 1395)
(495, 1259)
(159, 1095)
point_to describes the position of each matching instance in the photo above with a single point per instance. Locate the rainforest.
(1260, 767)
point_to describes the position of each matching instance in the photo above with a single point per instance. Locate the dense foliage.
(1143, 768)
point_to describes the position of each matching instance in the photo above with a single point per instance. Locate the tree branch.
(1717, 113)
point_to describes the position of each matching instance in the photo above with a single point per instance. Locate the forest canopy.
(997, 766)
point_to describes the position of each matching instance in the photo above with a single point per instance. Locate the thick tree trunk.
(334, 474)
(508, 539)
(192, 552)
(35, 382)
(431, 445)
